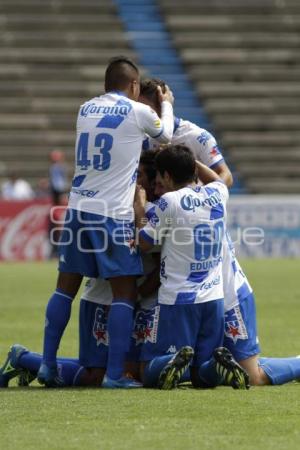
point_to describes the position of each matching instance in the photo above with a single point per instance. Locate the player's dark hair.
(148, 89)
(178, 161)
(148, 161)
(120, 72)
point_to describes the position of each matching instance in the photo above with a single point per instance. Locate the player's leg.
(75, 260)
(213, 364)
(120, 325)
(241, 339)
(210, 336)
(93, 337)
(142, 332)
(25, 364)
(256, 374)
(280, 370)
(89, 369)
(58, 314)
(93, 341)
(275, 371)
(167, 356)
(120, 265)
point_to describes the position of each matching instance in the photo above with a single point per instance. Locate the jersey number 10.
(208, 241)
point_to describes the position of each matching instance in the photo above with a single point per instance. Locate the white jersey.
(235, 283)
(98, 290)
(205, 149)
(203, 144)
(189, 223)
(110, 132)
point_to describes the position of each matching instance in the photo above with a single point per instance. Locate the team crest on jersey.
(162, 204)
(204, 137)
(235, 327)
(145, 326)
(100, 325)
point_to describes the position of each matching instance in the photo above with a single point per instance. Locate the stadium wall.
(260, 227)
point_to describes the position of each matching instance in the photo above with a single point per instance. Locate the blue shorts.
(199, 325)
(144, 330)
(93, 335)
(241, 330)
(98, 246)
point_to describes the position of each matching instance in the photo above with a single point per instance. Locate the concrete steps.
(53, 54)
(245, 62)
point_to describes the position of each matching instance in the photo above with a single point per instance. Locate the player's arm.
(155, 230)
(205, 174)
(139, 204)
(224, 173)
(206, 150)
(151, 124)
(213, 180)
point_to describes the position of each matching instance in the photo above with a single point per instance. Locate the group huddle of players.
(166, 300)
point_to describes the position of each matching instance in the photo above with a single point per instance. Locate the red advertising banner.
(24, 229)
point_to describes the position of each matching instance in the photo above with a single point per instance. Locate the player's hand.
(166, 96)
(140, 197)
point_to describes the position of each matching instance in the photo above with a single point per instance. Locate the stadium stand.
(244, 59)
(159, 57)
(53, 56)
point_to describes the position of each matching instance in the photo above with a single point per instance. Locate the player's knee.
(69, 282)
(124, 287)
(258, 378)
(256, 374)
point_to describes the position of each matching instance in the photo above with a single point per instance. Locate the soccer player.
(239, 302)
(98, 232)
(202, 143)
(189, 222)
(96, 299)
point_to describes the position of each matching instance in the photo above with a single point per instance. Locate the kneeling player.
(189, 222)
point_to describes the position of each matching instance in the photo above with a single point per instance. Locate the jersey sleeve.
(160, 216)
(151, 124)
(206, 149)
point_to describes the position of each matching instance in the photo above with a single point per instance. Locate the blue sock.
(30, 361)
(58, 313)
(119, 326)
(69, 369)
(153, 369)
(281, 370)
(208, 375)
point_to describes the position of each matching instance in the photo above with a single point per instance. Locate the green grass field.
(262, 418)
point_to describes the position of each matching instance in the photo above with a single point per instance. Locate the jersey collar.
(196, 188)
(118, 93)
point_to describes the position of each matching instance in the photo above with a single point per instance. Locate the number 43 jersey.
(110, 131)
(189, 224)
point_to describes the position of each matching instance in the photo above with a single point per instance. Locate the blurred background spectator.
(57, 176)
(16, 188)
